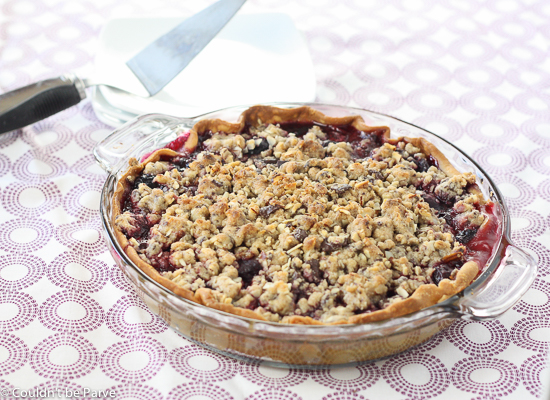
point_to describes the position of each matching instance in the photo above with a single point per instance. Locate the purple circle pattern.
(344, 396)
(529, 128)
(85, 168)
(32, 136)
(27, 310)
(51, 57)
(515, 77)
(390, 74)
(18, 352)
(4, 385)
(447, 102)
(117, 324)
(179, 360)
(111, 366)
(368, 376)
(35, 269)
(544, 189)
(340, 93)
(87, 111)
(438, 383)
(526, 193)
(521, 102)
(42, 227)
(120, 281)
(84, 136)
(165, 315)
(541, 254)
(535, 227)
(536, 160)
(72, 204)
(506, 384)
(48, 314)
(24, 54)
(517, 161)
(136, 391)
(416, 48)
(21, 168)
(54, 32)
(57, 274)
(4, 163)
(531, 373)
(27, 29)
(325, 43)
(468, 102)
(64, 235)
(40, 357)
(453, 130)
(203, 389)
(9, 8)
(251, 371)
(13, 79)
(431, 343)
(56, 384)
(375, 44)
(458, 48)
(413, 73)
(333, 83)
(273, 394)
(464, 76)
(391, 99)
(415, 24)
(499, 341)
(516, 53)
(10, 199)
(527, 31)
(508, 133)
(521, 333)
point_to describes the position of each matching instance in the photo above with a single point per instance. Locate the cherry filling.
(364, 142)
(248, 269)
(478, 241)
(146, 179)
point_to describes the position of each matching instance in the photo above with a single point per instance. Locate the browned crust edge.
(118, 195)
(425, 296)
(257, 115)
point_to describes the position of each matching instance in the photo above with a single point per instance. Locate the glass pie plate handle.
(507, 276)
(499, 291)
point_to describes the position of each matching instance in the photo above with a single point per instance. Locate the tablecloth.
(475, 72)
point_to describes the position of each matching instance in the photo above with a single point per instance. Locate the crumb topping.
(288, 225)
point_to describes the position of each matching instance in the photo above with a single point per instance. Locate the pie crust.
(259, 117)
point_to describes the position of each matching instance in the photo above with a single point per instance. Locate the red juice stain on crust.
(176, 145)
(480, 248)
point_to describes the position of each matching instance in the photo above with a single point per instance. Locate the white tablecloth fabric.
(474, 72)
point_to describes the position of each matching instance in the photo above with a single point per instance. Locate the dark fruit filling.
(476, 241)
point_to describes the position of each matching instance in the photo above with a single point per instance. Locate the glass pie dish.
(503, 280)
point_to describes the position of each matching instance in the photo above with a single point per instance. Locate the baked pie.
(295, 217)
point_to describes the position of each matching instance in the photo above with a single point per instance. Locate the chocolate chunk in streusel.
(270, 209)
(300, 234)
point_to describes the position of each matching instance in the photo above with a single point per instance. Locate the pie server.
(155, 66)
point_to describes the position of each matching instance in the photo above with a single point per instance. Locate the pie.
(296, 217)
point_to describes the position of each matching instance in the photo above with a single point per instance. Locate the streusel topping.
(298, 225)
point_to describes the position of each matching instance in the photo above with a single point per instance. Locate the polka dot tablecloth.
(475, 72)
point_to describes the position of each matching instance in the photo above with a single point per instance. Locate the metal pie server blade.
(155, 66)
(161, 61)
